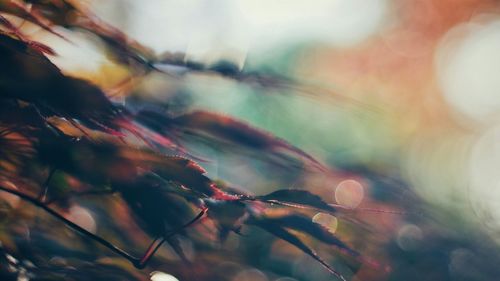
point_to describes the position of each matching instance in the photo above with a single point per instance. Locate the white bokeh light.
(75, 54)
(468, 69)
(162, 276)
(338, 22)
(349, 193)
(227, 29)
(83, 217)
(484, 178)
(328, 221)
(409, 237)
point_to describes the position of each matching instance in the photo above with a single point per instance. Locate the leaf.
(229, 129)
(155, 120)
(191, 175)
(282, 233)
(175, 243)
(50, 91)
(183, 171)
(226, 214)
(23, 11)
(107, 161)
(42, 48)
(306, 225)
(297, 198)
(156, 211)
(68, 14)
(91, 162)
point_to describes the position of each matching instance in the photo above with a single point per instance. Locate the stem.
(71, 224)
(45, 187)
(150, 252)
(138, 263)
(152, 249)
(337, 206)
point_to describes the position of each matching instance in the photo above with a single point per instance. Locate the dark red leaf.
(158, 212)
(228, 129)
(306, 225)
(42, 48)
(23, 11)
(52, 92)
(282, 233)
(226, 214)
(297, 198)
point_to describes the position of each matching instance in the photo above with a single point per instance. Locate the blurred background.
(402, 99)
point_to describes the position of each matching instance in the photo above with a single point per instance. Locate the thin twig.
(152, 249)
(150, 252)
(45, 187)
(139, 263)
(71, 224)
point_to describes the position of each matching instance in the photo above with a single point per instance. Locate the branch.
(139, 263)
(152, 248)
(45, 187)
(71, 224)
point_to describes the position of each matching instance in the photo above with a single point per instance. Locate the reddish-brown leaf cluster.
(56, 126)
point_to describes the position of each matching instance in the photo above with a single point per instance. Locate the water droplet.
(327, 221)
(349, 193)
(409, 237)
(83, 218)
(162, 276)
(467, 63)
(460, 261)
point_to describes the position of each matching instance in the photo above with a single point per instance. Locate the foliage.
(65, 143)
